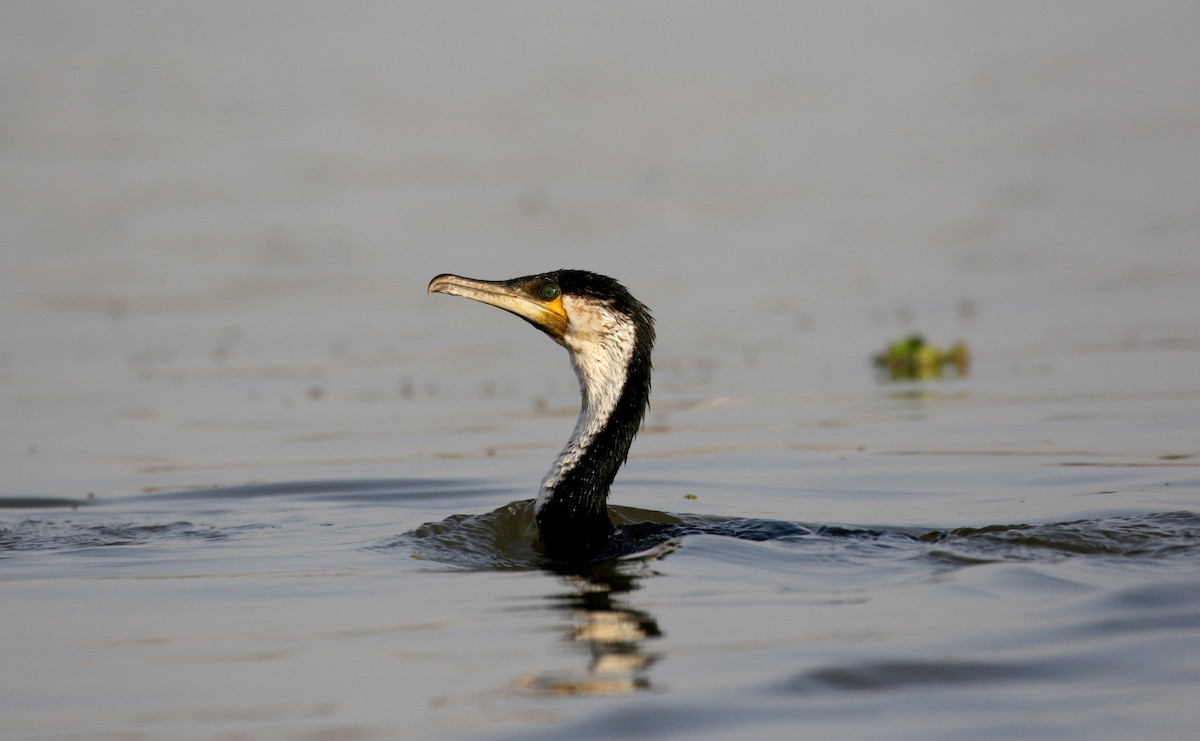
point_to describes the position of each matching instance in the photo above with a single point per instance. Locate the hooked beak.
(512, 296)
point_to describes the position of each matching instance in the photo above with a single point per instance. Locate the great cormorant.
(609, 335)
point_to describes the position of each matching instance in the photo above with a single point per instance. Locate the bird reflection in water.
(613, 632)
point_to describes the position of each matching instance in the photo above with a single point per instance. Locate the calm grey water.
(234, 426)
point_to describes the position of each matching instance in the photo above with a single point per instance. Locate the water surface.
(258, 485)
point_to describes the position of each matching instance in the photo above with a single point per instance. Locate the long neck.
(614, 381)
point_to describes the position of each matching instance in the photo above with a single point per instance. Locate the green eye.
(550, 292)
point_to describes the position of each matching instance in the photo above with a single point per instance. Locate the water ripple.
(1154, 535)
(506, 538)
(894, 674)
(41, 535)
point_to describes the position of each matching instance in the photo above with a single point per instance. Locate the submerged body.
(609, 335)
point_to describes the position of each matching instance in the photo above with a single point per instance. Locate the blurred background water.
(217, 222)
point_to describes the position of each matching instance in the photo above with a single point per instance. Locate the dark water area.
(720, 625)
(257, 484)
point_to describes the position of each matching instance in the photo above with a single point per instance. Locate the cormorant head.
(584, 312)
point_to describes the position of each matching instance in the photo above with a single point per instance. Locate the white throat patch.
(601, 342)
